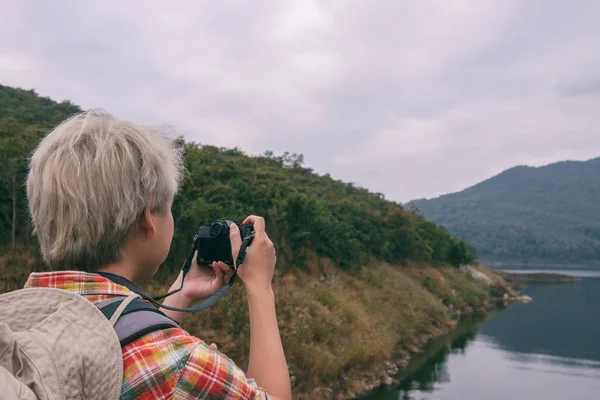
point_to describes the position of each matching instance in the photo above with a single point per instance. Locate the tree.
(13, 166)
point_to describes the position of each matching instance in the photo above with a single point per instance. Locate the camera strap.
(209, 302)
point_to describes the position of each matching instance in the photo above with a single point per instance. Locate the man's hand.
(266, 364)
(203, 281)
(257, 270)
(200, 282)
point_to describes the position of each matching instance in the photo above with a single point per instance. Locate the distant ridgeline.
(548, 214)
(307, 214)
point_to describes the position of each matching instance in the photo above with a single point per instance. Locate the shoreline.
(468, 323)
(541, 277)
(385, 374)
(392, 373)
(498, 265)
(401, 367)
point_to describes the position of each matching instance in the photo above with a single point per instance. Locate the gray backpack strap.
(136, 319)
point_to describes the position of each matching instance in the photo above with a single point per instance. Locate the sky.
(412, 99)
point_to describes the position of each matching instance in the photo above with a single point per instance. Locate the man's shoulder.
(172, 362)
(171, 340)
(155, 362)
(160, 351)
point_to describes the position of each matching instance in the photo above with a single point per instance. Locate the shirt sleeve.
(209, 374)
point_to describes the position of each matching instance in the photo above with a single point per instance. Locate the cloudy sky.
(409, 98)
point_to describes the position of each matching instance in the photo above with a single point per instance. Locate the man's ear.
(147, 224)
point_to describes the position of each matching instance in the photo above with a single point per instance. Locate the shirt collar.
(83, 283)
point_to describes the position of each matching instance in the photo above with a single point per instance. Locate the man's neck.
(121, 268)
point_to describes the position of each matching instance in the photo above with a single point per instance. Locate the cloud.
(411, 99)
(580, 87)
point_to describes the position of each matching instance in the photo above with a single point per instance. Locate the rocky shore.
(357, 383)
(363, 379)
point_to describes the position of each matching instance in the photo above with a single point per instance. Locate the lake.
(546, 349)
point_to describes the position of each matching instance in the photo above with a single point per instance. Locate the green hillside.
(305, 212)
(546, 214)
(359, 282)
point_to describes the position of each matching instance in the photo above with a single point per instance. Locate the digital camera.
(213, 244)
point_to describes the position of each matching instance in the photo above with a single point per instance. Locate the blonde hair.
(89, 181)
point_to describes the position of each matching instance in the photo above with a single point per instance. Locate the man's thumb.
(236, 241)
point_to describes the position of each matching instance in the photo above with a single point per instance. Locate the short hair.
(90, 179)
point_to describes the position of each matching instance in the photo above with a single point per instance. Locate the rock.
(390, 368)
(402, 353)
(478, 276)
(344, 377)
(323, 393)
(387, 380)
(456, 314)
(412, 348)
(523, 299)
(453, 311)
(292, 371)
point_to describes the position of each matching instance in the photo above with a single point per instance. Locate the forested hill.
(547, 214)
(307, 214)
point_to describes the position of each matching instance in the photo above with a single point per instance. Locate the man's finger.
(218, 272)
(226, 269)
(257, 222)
(213, 346)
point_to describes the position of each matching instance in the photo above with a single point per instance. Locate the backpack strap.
(136, 319)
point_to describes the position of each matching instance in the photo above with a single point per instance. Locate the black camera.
(213, 244)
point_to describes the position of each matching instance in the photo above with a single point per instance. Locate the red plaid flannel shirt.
(168, 364)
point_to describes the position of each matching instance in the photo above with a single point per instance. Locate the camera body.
(213, 244)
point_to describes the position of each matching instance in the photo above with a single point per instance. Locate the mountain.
(548, 214)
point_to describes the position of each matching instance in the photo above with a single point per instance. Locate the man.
(100, 192)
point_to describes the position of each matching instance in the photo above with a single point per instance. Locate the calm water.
(546, 349)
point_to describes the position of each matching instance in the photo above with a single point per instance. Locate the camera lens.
(216, 229)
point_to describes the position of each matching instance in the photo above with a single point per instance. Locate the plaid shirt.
(165, 364)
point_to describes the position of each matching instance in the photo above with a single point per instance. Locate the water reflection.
(547, 349)
(430, 368)
(435, 369)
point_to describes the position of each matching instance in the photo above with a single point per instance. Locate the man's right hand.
(266, 364)
(257, 270)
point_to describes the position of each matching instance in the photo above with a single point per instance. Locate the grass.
(451, 286)
(15, 267)
(346, 322)
(341, 324)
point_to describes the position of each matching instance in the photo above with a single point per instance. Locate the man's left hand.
(201, 282)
